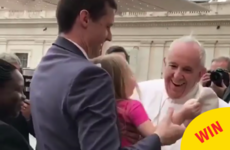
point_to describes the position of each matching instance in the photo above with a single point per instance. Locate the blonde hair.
(119, 70)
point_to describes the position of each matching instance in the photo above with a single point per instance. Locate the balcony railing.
(216, 9)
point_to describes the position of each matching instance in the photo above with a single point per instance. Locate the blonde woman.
(130, 112)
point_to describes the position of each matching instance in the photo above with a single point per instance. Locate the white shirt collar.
(80, 48)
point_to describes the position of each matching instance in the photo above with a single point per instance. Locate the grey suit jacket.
(73, 104)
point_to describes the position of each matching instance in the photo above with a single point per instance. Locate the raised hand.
(191, 109)
(169, 132)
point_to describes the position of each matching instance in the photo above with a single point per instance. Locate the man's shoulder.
(3, 124)
(212, 95)
(9, 134)
(207, 90)
(90, 70)
(88, 76)
(7, 129)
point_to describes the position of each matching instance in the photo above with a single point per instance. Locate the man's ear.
(164, 60)
(84, 18)
(202, 72)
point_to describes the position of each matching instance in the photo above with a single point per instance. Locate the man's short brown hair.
(68, 10)
(118, 49)
(223, 58)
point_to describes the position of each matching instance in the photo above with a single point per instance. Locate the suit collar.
(80, 48)
(70, 46)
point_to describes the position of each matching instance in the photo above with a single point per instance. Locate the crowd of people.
(82, 100)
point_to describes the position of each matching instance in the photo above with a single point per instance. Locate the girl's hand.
(191, 109)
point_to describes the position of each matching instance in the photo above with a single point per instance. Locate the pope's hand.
(191, 109)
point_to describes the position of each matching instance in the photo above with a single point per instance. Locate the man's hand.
(205, 79)
(25, 109)
(131, 133)
(168, 132)
(191, 109)
(219, 90)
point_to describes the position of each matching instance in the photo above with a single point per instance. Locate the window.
(23, 58)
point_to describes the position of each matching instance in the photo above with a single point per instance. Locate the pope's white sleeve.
(222, 103)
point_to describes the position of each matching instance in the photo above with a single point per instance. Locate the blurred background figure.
(118, 50)
(11, 97)
(12, 59)
(23, 122)
(217, 77)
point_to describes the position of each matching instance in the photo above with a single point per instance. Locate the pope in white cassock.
(184, 66)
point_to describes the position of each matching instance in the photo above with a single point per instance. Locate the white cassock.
(156, 102)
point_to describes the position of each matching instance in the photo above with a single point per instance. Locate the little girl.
(129, 111)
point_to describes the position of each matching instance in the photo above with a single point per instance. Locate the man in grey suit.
(72, 100)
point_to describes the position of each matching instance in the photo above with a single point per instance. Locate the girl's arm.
(140, 119)
(147, 128)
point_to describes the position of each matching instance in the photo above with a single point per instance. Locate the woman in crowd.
(23, 122)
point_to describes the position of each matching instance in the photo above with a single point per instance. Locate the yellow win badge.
(208, 131)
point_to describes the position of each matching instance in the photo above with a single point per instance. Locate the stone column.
(143, 60)
(47, 45)
(133, 59)
(222, 49)
(3, 45)
(37, 53)
(210, 51)
(156, 60)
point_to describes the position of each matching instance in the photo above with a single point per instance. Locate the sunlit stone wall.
(146, 36)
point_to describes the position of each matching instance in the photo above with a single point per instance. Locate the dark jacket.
(226, 96)
(11, 139)
(22, 125)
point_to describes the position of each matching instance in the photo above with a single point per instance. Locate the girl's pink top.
(130, 112)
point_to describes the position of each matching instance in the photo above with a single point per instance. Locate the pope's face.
(182, 69)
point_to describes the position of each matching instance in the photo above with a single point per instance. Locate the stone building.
(145, 35)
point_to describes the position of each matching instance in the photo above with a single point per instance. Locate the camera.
(217, 77)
